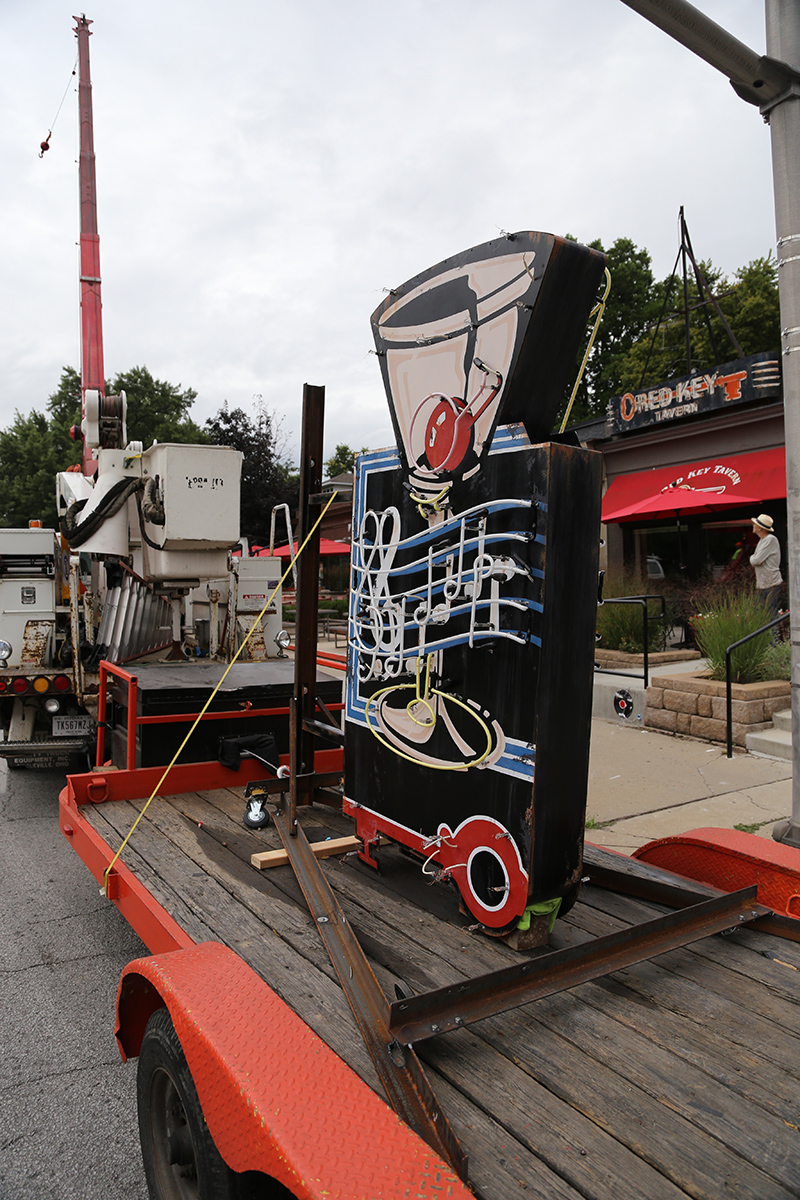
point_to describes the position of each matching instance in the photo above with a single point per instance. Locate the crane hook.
(45, 145)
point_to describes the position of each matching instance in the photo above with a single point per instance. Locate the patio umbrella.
(677, 502)
(680, 501)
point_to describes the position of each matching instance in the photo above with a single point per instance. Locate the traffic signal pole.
(772, 82)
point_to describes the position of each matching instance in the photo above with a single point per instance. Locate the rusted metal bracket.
(406, 1085)
(322, 729)
(632, 877)
(418, 1017)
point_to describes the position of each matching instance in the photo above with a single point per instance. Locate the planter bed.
(695, 704)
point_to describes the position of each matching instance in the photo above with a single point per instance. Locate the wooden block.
(277, 858)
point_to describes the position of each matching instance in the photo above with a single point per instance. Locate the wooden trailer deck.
(677, 1077)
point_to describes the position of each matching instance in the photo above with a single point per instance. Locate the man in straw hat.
(767, 561)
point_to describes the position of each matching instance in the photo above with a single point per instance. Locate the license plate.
(72, 726)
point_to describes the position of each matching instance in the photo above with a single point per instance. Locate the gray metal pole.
(783, 43)
(771, 81)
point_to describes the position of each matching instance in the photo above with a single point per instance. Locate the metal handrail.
(728, 700)
(661, 616)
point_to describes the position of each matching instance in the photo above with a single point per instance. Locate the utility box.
(197, 487)
(256, 580)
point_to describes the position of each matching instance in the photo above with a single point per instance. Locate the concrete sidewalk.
(644, 785)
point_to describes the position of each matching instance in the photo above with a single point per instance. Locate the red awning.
(760, 474)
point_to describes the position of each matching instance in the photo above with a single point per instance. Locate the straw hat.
(763, 522)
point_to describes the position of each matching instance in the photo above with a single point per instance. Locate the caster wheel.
(256, 815)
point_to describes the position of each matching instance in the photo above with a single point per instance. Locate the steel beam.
(404, 1081)
(460, 1004)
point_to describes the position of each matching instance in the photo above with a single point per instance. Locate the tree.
(633, 303)
(34, 448)
(634, 349)
(64, 407)
(267, 479)
(342, 461)
(156, 410)
(750, 304)
(28, 469)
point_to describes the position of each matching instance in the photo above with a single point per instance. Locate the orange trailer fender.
(729, 859)
(275, 1097)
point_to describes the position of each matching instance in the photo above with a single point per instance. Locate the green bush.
(727, 619)
(620, 625)
(777, 661)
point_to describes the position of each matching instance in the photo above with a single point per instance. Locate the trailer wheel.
(181, 1161)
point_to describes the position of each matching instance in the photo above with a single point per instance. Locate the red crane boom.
(92, 378)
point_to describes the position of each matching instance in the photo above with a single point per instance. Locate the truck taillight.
(41, 684)
(61, 683)
(3, 685)
(20, 686)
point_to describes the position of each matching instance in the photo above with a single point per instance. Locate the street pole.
(772, 82)
(783, 114)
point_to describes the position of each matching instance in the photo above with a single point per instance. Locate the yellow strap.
(596, 312)
(201, 714)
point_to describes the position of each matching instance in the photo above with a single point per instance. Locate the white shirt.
(767, 561)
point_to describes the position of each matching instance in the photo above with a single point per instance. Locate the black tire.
(181, 1161)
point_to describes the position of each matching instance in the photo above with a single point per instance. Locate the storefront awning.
(759, 475)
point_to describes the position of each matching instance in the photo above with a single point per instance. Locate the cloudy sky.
(266, 169)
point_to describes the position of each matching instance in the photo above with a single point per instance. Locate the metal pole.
(771, 81)
(783, 114)
(304, 703)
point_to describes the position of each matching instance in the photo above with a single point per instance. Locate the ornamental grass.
(726, 620)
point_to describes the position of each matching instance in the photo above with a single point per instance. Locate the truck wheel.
(181, 1161)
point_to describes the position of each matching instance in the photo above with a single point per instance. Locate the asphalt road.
(67, 1103)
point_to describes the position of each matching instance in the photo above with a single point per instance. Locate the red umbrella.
(326, 547)
(677, 501)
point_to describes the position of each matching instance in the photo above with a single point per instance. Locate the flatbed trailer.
(280, 1004)
(675, 1077)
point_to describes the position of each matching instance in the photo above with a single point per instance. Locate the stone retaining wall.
(696, 705)
(658, 658)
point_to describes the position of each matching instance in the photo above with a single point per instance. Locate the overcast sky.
(266, 169)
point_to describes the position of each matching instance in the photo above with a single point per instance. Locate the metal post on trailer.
(301, 753)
